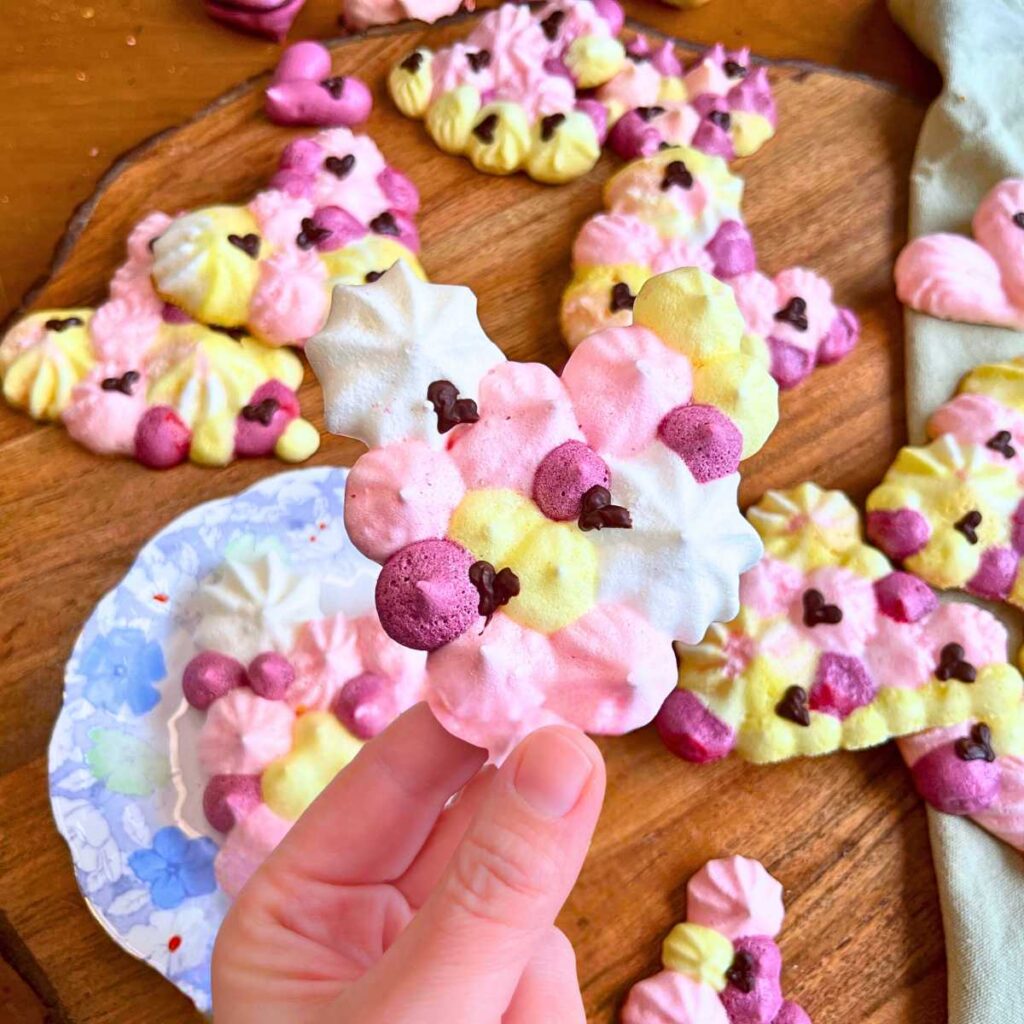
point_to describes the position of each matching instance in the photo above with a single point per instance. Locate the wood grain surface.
(846, 835)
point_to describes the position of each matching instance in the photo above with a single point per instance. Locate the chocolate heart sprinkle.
(1001, 443)
(261, 412)
(793, 706)
(648, 114)
(549, 124)
(1018, 219)
(977, 746)
(495, 588)
(597, 511)
(484, 131)
(817, 612)
(310, 234)
(551, 24)
(676, 173)
(952, 665)
(57, 324)
(340, 166)
(622, 298)
(234, 333)
(385, 224)
(373, 275)
(968, 526)
(125, 383)
(734, 70)
(638, 58)
(742, 973)
(451, 410)
(721, 118)
(480, 59)
(335, 86)
(413, 62)
(794, 313)
(249, 244)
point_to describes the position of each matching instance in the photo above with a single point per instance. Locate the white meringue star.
(681, 562)
(385, 343)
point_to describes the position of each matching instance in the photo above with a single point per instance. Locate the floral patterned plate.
(122, 778)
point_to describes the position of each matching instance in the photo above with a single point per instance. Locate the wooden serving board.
(845, 834)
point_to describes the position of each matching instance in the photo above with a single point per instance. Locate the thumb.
(463, 955)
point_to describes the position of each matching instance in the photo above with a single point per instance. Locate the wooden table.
(83, 83)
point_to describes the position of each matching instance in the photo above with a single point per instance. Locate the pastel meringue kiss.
(304, 91)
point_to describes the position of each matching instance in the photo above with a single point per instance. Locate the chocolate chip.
(794, 313)
(1018, 219)
(676, 174)
(451, 410)
(793, 706)
(968, 526)
(977, 746)
(385, 224)
(479, 60)
(57, 324)
(340, 166)
(335, 86)
(638, 58)
(1001, 443)
(742, 973)
(495, 588)
(151, 244)
(311, 234)
(551, 24)
(648, 114)
(952, 665)
(622, 297)
(413, 62)
(373, 275)
(817, 612)
(484, 131)
(549, 124)
(261, 412)
(597, 511)
(664, 145)
(125, 383)
(721, 118)
(234, 333)
(734, 70)
(249, 244)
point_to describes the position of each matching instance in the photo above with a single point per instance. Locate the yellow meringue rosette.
(749, 132)
(1003, 382)
(321, 747)
(411, 82)
(556, 563)
(39, 374)
(500, 138)
(594, 60)
(299, 441)
(208, 263)
(451, 117)
(362, 260)
(698, 952)
(565, 146)
(697, 315)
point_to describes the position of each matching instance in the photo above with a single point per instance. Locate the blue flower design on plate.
(123, 667)
(175, 867)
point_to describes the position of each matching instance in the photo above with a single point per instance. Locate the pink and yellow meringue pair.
(682, 208)
(545, 538)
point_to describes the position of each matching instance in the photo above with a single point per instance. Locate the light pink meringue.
(291, 300)
(609, 238)
(247, 846)
(673, 998)
(737, 897)
(103, 419)
(325, 656)
(279, 216)
(243, 733)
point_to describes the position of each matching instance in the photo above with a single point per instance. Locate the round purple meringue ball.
(690, 731)
(900, 533)
(270, 675)
(955, 786)
(564, 475)
(366, 705)
(705, 439)
(210, 675)
(764, 1000)
(903, 597)
(227, 799)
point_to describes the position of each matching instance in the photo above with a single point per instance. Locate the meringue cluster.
(952, 510)
(681, 208)
(183, 359)
(277, 728)
(832, 649)
(546, 537)
(541, 91)
(722, 964)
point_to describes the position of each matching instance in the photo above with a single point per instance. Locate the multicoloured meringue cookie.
(832, 649)
(269, 18)
(305, 92)
(980, 281)
(681, 208)
(722, 965)
(517, 515)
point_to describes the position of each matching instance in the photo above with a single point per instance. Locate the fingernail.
(552, 773)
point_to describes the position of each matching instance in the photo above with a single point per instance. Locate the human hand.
(384, 906)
